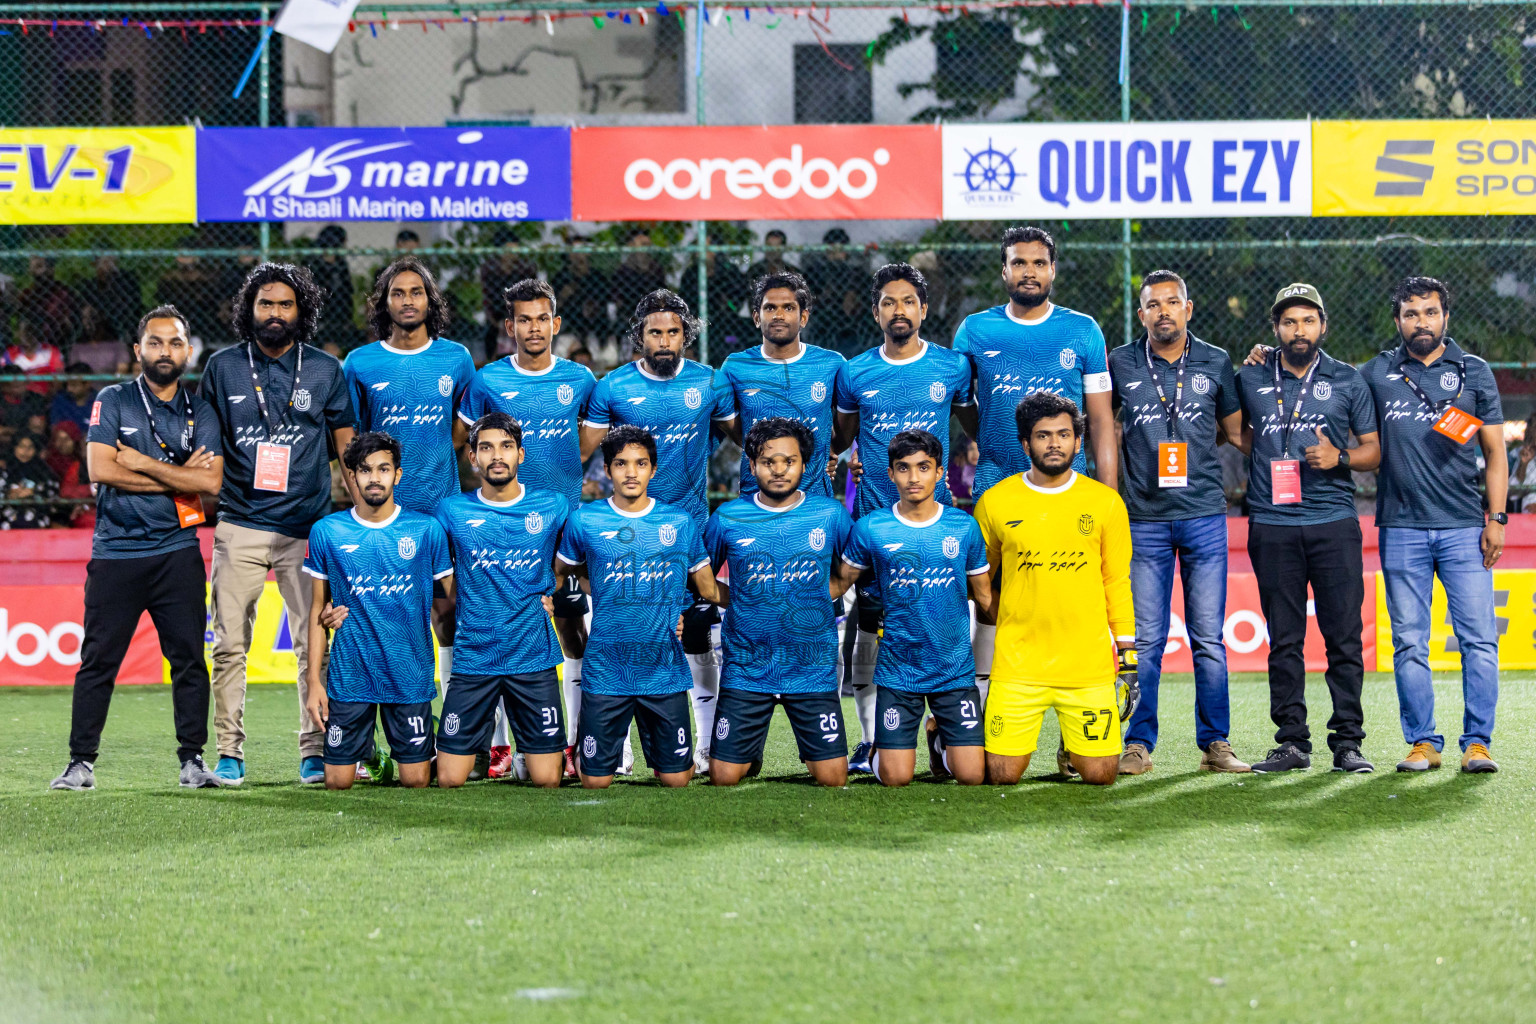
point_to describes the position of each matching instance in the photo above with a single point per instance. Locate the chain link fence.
(81, 289)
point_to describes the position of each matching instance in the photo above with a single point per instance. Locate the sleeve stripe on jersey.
(465, 418)
(316, 574)
(846, 411)
(722, 419)
(567, 561)
(445, 572)
(856, 565)
(965, 405)
(701, 565)
(973, 572)
(1095, 383)
(593, 423)
(1125, 639)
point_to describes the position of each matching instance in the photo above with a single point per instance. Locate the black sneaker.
(1348, 759)
(1284, 758)
(936, 758)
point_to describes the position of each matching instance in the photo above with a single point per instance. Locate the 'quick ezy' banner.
(390, 174)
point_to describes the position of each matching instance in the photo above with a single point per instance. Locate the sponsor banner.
(1514, 602)
(97, 176)
(788, 172)
(389, 174)
(1247, 636)
(1135, 169)
(1423, 168)
(41, 632)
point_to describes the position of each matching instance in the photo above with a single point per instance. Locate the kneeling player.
(1061, 547)
(924, 557)
(503, 539)
(375, 563)
(640, 557)
(780, 633)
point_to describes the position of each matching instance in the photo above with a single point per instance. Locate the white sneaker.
(627, 763)
(519, 767)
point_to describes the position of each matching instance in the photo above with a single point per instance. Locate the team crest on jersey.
(451, 725)
(722, 728)
(892, 718)
(589, 747)
(951, 547)
(818, 392)
(1321, 390)
(936, 391)
(1200, 384)
(445, 385)
(667, 534)
(817, 539)
(533, 523)
(1449, 380)
(693, 398)
(566, 394)
(407, 548)
(333, 736)
(1085, 524)
(1068, 359)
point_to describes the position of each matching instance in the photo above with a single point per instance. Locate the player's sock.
(982, 643)
(570, 686)
(499, 737)
(874, 764)
(706, 691)
(444, 668)
(864, 649)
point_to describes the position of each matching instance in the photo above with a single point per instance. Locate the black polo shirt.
(1336, 399)
(1210, 394)
(319, 405)
(130, 525)
(1428, 481)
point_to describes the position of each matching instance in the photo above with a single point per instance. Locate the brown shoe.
(1422, 758)
(1137, 760)
(1218, 757)
(1477, 760)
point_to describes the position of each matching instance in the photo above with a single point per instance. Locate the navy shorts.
(533, 710)
(742, 717)
(898, 713)
(570, 600)
(698, 621)
(666, 731)
(349, 731)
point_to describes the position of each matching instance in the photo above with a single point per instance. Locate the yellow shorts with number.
(1088, 716)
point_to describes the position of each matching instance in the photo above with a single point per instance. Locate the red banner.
(41, 631)
(786, 172)
(1247, 636)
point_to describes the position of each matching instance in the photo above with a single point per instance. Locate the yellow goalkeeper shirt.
(1064, 556)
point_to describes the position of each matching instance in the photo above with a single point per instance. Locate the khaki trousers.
(242, 557)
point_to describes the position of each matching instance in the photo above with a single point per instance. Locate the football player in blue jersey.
(905, 384)
(785, 377)
(678, 401)
(503, 538)
(408, 384)
(1030, 344)
(641, 557)
(376, 562)
(547, 396)
(926, 559)
(780, 634)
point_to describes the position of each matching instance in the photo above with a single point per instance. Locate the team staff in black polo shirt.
(1177, 398)
(1299, 407)
(284, 409)
(152, 450)
(1437, 405)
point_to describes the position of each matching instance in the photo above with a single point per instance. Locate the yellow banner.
(1514, 599)
(1423, 168)
(98, 176)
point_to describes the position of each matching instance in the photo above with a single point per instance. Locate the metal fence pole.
(263, 116)
(701, 228)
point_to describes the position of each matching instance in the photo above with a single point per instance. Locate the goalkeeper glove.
(1127, 690)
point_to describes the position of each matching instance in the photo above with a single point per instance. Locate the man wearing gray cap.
(1300, 406)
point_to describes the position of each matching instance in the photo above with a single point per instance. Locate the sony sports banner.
(389, 174)
(777, 172)
(1423, 168)
(1130, 169)
(97, 176)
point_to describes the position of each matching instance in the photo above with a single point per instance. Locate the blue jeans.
(1200, 545)
(1410, 560)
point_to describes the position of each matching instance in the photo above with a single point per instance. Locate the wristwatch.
(1344, 457)
(1502, 518)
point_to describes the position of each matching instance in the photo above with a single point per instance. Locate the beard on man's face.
(163, 371)
(662, 363)
(275, 331)
(1030, 294)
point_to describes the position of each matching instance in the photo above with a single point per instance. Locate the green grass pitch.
(1171, 897)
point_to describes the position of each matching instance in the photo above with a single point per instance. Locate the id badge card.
(1457, 425)
(1285, 481)
(1173, 463)
(189, 509)
(272, 467)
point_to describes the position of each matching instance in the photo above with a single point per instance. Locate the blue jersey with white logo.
(548, 404)
(780, 631)
(1063, 352)
(800, 388)
(638, 565)
(921, 570)
(412, 394)
(895, 395)
(382, 572)
(503, 565)
(677, 410)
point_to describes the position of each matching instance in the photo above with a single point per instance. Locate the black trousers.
(173, 589)
(1328, 556)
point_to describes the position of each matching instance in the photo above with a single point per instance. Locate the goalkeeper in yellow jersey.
(1060, 549)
